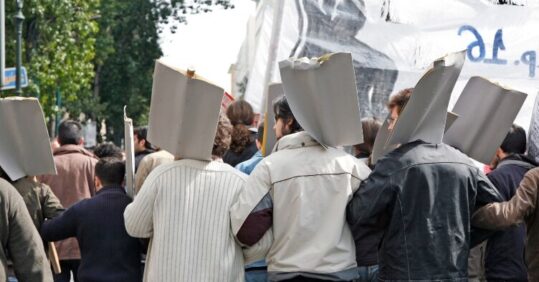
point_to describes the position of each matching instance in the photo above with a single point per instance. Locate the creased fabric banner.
(393, 42)
(533, 134)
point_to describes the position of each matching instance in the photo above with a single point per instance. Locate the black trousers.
(68, 267)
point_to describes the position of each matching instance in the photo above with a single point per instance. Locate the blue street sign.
(10, 80)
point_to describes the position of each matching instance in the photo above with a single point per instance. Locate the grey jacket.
(20, 239)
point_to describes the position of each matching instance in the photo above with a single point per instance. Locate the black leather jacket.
(418, 202)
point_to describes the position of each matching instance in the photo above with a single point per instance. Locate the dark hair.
(282, 110)
(4, 175)
(370, 126)
(110, 170)
(69, 132)
(222, 140)
(142, 132)
(400, 99)
(241, 116)
(515, 141)
(108, 149)
(260, 133)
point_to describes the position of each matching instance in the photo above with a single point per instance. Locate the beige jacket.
(74, 182)
(149, 163)
(522, 207)
(301, 191)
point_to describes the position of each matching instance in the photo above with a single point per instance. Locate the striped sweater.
(184, 208)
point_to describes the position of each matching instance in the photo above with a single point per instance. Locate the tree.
(127, 46)
(59, 49)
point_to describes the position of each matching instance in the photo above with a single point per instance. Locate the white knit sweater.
(184, 208)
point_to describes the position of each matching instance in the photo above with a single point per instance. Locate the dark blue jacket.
(108, 252)
(504, 258)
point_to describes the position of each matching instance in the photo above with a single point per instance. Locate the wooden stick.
(53, 257)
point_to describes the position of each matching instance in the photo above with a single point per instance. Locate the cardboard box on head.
(275, 90)
(322, 95)
(184, 112)
(486, 112)
(424, 116)
(25, 148)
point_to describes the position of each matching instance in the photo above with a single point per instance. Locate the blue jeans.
(367, 273)
(256, 272)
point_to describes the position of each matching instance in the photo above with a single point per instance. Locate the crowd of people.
(305, 212)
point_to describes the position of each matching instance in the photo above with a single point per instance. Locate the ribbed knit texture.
(184, 207)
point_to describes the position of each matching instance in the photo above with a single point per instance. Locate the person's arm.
(138, 215)
(486, 194)
(50, 204)
(62, 226)
(252, 214)
(497, 216)
(370, 208)
(24, 244)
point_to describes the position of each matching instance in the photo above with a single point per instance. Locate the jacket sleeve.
(138, 215)
(252, 215)
(24, 244)
(61, 227)
(502, 215)
(142, 173)
(369, 210)
(486, 194)
(50, 203)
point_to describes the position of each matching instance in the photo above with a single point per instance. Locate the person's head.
(139, 138)
(396, 105)
(108, 149)
(223, 138)
(370, 127)
(240, 112)
(260, 136)
(70, 133)
(109, 171)
(514, 143)
(241, 116)
(285, 122)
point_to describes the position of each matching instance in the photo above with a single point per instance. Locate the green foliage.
(99, 54)
(127, 49)
(59, 48)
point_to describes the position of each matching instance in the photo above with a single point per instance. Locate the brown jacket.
(19, 237)
(522, 207)
(74, 182)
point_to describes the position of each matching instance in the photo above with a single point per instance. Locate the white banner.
(392, 43)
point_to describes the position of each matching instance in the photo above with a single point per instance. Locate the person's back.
(108, 252)
(504, 257)
(309, 187)
(19, 237)
(423, 196)
(73, 182)
(184, 206)
(39, 199)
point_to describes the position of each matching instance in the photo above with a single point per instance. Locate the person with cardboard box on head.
(183, 206)
(300, 191)
(417, 203)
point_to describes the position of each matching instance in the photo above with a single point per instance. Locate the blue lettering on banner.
(476, 51)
